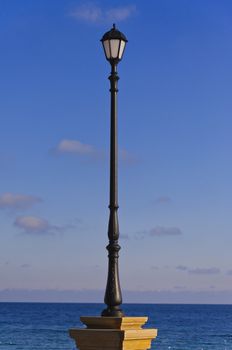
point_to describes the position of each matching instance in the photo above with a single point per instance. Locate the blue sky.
(175, 142)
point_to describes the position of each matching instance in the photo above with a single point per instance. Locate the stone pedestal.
(113, 333)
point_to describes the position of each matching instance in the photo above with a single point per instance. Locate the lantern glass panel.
(106, 44)
(114, 44)
(122, 47)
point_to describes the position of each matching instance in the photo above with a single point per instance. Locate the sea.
(44, 326)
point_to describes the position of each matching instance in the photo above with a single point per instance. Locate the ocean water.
(44, 326)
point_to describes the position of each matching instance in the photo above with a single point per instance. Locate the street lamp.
(115, 331)
(114, 43)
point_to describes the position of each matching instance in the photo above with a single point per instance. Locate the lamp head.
(114, 43)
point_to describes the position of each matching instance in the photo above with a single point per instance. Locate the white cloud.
(36, 225)
(17, 201)
(165, 231)
(90, 12)
(75, 147)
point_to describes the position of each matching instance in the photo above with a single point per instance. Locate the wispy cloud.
(25, 266)
(75, 147)
(36, 225)
(15, 201)
(119, 14)
(158, 231)
(165, 231)
(182, 268)
(205, 271)
(199, 270)
(163, 200)
(92, 13)
(84, 150)
(179, 287)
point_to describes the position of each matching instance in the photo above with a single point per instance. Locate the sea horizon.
(101, 303)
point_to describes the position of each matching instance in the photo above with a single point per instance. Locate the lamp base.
(114, 333)
(116, 312)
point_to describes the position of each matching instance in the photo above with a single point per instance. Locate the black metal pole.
(113, 295)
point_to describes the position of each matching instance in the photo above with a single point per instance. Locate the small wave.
(7, 343)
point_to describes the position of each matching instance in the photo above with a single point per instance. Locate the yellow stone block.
(113, 333)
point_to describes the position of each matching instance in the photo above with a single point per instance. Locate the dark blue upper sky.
(175, 143)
